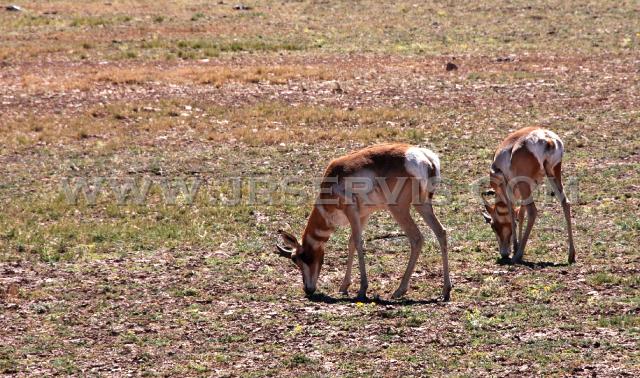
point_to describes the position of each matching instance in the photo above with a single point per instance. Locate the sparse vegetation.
(174, 278)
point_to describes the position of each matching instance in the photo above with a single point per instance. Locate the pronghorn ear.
(487, 217)
(289, 239)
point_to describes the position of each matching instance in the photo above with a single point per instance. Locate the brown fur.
(514, 138)
(383, 159)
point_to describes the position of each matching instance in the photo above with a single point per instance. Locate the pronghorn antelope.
(519, 165)
(389, 176)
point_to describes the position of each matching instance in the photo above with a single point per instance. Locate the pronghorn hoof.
(398, 293)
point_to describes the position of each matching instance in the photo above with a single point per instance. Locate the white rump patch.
(536, 142)
(419, 162)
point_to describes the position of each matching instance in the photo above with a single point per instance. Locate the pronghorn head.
(305, 256)
(497, 215)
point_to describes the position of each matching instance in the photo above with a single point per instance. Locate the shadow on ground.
(531, 264)
(324, 298)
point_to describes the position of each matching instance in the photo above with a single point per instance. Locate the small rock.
(337, 88)
(508, 58)
(451, 66)
(13, 8)
(40, 309)
(241, 7)
(12, 290)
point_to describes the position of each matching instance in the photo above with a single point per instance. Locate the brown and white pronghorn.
(519, 165)
(390, 177)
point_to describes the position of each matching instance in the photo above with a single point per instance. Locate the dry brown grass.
(264, 124)
(212, 75)
(217, 75)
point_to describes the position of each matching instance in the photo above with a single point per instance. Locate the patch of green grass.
(129, 54)
(611, 279)
(627, 322)
(65, 365)
(130, 338)
(603, 278)
(475, 319)
(542, 292)
(187, 292)
(298, 359)
(492, 287)
(93, 21)
(8, 361)
(628, 224)
(31, 21)
(229, 339)
(207, 48)
(197, 16)
(198, 367)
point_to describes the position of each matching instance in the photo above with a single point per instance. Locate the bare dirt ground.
(125, 90)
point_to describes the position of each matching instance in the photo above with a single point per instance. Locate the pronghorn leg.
(346, 281)
(521, 212)
(402, 215)
(356, 234)
(508, 191)
(532, 212)
(514, 237)
(426, 211)
(566, 208)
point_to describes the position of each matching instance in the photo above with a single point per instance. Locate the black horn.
(284, 252)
